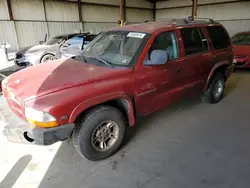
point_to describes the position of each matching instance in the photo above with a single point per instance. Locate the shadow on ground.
(15, 172)
(75, 171)
(162, 147)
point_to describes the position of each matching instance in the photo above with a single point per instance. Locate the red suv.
(123, 73)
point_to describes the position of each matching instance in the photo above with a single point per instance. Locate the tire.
(48, 57)
(1, 79)
(209, 95)
(89, 126)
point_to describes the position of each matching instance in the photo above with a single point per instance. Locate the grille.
(19, 56)
(240, 56)
(240, 63)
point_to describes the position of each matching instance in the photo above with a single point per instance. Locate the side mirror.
(157, 57)
(65, 45)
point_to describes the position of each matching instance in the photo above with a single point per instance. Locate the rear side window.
(218, 36)
(194, 41)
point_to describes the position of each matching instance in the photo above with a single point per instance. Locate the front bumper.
(28, 60)
(242, 65)
(17, 130)
(21, 61)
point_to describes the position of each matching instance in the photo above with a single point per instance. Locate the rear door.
(196, 55)
(222, 48)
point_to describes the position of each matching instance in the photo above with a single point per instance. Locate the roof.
(149, 27)
(69, 35)
(152, 26)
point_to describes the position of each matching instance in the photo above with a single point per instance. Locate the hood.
(38, 48)
(47, 78)
(23, 50)
(241, 50)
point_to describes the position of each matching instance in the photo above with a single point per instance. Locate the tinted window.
(54, 40)
(88, 39)
(194, 41)
(218, 36)
(165, 41)
(77, 40)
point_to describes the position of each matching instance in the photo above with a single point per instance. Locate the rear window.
(194, 41)
(219, 37)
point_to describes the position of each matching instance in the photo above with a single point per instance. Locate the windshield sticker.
(136, 35)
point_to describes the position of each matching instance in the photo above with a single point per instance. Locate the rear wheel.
(215, 90)
(100, 133)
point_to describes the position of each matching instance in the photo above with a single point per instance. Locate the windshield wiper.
(105, 62)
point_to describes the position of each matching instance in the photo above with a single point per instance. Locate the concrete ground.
(188, 145)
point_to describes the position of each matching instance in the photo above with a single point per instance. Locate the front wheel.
(2, 77)
(215, 90)
(100, 133)
(48, 57)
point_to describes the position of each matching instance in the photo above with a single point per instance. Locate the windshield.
(54, 40)
(115, 47)
(243, 39)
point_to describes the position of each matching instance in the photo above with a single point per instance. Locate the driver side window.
(76, 41)
(167, 42)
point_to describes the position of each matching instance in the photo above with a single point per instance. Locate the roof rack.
(167, 19)
(192, 18)
(185, 20)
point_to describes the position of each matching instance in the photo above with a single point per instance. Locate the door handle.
(179, 70)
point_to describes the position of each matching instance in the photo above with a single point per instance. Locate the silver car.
(66, 45)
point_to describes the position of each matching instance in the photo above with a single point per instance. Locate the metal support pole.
(46, 21)
(194, 8)
(154, 10)
(80, 14)
(122, 13)
(10, 10)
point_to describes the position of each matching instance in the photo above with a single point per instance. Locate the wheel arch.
(122, 102)
(219, 67)
(46, 53)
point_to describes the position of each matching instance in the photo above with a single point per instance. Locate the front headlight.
(39, 118)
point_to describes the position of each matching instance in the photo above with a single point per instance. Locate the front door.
(159, 85)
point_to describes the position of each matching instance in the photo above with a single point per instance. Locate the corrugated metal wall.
(8, 34)
(28, 10)
(58, 11)
(57, 28)
(30, 25)
(106, 17)
(234, 15)
(30, 33)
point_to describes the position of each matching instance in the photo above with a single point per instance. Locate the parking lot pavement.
(187, 145)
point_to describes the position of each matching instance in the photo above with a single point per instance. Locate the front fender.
(213, 70)
(102, 99)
